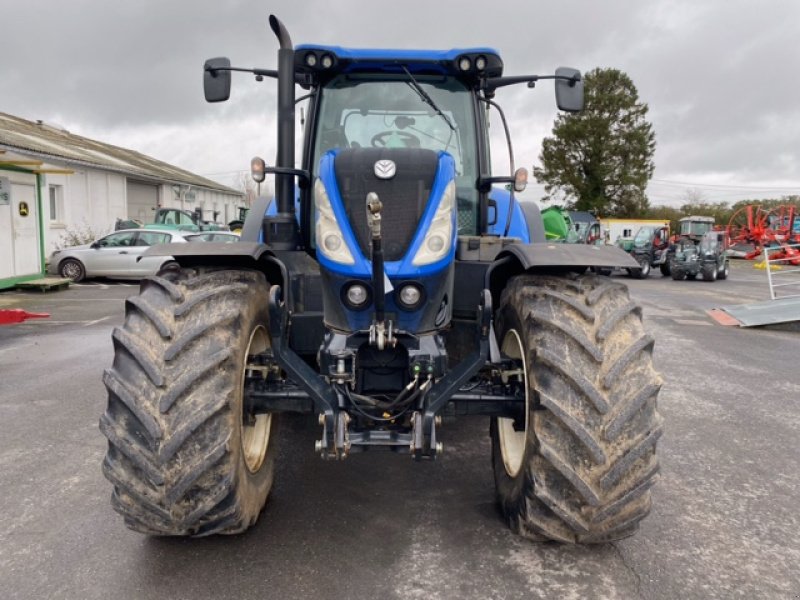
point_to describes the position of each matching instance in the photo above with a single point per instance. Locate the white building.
(53, 183)
(614, 229)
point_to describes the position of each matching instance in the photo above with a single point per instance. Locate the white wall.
(92, 200)
(208, 200)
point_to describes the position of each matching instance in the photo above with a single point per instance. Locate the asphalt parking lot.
(724, 524)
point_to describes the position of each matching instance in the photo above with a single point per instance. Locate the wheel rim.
(255, 431)
(513, 442)
(70, 270)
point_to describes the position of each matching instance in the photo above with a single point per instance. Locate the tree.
(602, 158)
(247, 186)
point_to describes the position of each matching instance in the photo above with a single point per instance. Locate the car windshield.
(388, 112)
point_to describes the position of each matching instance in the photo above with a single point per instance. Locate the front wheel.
(73, 269)
(665, 270)
(725, 271)
(710, 272)
(643, 272)
(184, 455)
(577, 464)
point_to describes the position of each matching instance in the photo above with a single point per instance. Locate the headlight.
(409, 296)
(439, 236)
(330, 240)
(357, 295)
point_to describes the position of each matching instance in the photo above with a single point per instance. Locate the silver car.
(114, 255)
(212, 236)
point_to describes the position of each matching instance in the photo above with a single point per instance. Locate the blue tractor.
(394, 283)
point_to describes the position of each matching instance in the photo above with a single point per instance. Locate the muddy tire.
(580, 467)
(181, 455)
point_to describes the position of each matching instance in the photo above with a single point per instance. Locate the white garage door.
(142, 201)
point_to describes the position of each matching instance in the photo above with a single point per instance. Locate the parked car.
(212, 236)
(114, 255)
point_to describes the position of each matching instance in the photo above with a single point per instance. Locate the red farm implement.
(752, 228)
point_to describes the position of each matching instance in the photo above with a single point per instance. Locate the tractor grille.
(404, 196)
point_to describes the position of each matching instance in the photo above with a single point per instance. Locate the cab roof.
(325, 62)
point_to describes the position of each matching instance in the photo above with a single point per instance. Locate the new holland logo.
(385, 169)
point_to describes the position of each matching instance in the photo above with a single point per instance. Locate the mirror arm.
(485, 183)
(257, 72)
(303, 175)
(493, 83)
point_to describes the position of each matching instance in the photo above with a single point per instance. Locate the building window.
(627, 232)
(56, 203)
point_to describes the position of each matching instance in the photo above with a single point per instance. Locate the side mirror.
(569, 92)
(95, 245)
(217, 79)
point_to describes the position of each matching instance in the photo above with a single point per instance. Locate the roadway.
(724, 523)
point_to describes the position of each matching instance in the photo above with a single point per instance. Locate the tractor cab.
(694, 227)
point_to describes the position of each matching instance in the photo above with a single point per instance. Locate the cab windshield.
(388, 112)
(643, 237)
(697, 228)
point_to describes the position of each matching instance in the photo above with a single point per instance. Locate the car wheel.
(73, 269)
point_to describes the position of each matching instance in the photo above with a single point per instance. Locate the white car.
(114, 255)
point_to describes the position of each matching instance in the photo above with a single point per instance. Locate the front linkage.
(332, 394)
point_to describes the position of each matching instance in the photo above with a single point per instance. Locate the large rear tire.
(580, 465)
(182, 455)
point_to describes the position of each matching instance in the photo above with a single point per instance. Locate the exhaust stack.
(280, 230)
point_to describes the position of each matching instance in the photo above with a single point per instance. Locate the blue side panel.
(519, 225)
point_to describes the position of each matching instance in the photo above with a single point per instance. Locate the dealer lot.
(724, 521)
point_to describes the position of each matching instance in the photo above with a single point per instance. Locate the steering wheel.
(409, 140)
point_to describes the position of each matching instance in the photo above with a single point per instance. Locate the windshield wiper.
(423, 95)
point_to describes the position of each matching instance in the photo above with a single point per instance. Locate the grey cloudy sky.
(721, 78)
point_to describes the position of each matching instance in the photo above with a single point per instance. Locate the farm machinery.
(393, 283)
(753, 228)
(650, 249)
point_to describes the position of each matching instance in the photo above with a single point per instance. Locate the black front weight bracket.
(424, 436)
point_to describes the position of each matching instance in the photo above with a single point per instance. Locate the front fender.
(570, 256)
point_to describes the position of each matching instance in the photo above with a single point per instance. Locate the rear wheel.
(183, 455)
(724, 271)
(665, 270)
(678, 274)
(73, 269)
(578, 465)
